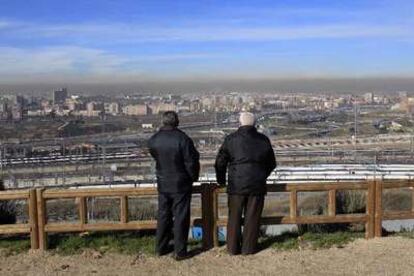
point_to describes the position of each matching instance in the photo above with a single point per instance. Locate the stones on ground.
(139, 259)
(94, 254)
(97, 255)
(83, 234)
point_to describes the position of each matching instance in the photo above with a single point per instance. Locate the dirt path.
(385, 256)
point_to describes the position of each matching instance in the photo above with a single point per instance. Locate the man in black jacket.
(249, 158)
(177, 167)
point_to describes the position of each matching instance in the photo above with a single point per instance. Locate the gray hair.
(247, 119)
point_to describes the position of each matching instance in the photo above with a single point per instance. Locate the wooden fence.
(381, 214)
(39, 227)
(82, 225)
(293, 218)
(27, 228)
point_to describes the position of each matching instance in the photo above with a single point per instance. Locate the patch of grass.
(126, 243)
(194, 244)
(14, 245)
(408, 235)
(404, 232)
(293, 241)
(284, 241)
(129, 243)
(328, 240)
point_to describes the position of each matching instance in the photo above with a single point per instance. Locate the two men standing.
(246, 154)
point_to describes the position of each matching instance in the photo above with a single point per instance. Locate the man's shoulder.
(262, 136)
(231, 136)
(180, 133)
(160, 134)
(155, 135)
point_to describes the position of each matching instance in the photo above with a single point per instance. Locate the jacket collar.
(247, 129)
(168, 128)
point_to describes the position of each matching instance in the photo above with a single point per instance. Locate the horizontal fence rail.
(39, 227)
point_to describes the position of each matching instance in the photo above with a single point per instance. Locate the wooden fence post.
(332, 203)
(124, 209)
(83, 217)
(34, 232)
(370, 210)
(412, 198)
(41, 219)
(207, 213)
(293, 204)
(378, 208)
(215, 195)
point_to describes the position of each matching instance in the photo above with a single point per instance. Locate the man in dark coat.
(249, 158)
(177, 167)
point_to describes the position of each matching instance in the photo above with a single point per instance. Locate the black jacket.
(177, 160)
(249, 158)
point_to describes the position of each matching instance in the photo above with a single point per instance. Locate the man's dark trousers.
(251, 206)
(173, 219)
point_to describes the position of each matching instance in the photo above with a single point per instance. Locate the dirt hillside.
(385, 256)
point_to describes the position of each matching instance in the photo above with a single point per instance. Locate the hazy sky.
(149, 40)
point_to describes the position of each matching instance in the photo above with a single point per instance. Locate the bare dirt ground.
(385, 256)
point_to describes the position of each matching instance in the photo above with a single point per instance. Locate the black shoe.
(166, 251)
(160, 254)
(233, 253)
(249, 252)
(179, 258)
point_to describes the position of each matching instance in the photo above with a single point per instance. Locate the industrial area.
(66, 139)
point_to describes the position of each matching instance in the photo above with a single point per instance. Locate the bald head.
(247, 119)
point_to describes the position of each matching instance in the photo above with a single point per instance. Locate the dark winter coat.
(177, 160)
(249, 158)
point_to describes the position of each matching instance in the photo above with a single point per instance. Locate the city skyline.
(48, 41)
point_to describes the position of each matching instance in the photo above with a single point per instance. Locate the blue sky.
(148, 40)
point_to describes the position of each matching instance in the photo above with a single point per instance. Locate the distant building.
(3, 107)
(195, 106)
(72, 104)
(3, 110)
(136, 110)
(369, 97)
(163, 107)
(59, 96)
(15, 100)
(17, 113)
(112, 108)
(94, 109)
(406, 105)
(147, 126)
(183, 108)
(402, 94)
